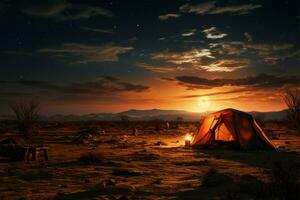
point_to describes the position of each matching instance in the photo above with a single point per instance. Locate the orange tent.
(234, 127)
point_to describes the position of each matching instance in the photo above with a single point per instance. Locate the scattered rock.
(63, 186)
(125, 172)
(109, 183)
(265, 171)
(156, 182)
(203, 162)
(160, 143)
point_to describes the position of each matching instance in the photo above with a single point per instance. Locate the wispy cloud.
(159, 68)
(201, 8)
(76, 53)
(98, 30)
(168, 16)
(211, 7)
(200, 59)
(62, 10)
(103, 87)
(191, 56)
(212, 33)
(189, 33)
(226, 65)
(214, 93)
(228, 48)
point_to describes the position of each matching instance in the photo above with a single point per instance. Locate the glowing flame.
(188, 137)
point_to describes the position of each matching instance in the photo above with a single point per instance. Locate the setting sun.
(204, 102)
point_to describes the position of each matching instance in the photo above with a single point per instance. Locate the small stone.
(266, 171)
(156, 182)
(109, 183)
(63, 186)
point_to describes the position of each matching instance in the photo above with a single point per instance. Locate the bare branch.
(292, 100)
(27, 114)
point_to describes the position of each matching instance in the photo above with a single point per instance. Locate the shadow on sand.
(262, 159)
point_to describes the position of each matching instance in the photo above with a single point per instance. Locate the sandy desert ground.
(152, 165)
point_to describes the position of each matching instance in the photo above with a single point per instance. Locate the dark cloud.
(61, 9)
(159, 68)
(105, 84)
(212, 7)
(98, 30)
(104, 87)
(262, 81)
(84, 54)
(270, 53)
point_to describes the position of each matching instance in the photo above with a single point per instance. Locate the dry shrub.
(91, 158)
(27, 116)
(292, 100)
(284, 177)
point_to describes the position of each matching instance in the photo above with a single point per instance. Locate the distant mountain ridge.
(150, 114)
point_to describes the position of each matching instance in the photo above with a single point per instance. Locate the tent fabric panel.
(222, 133)
(245, 130)
(248, 138)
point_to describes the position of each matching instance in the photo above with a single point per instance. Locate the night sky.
(113, 55)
